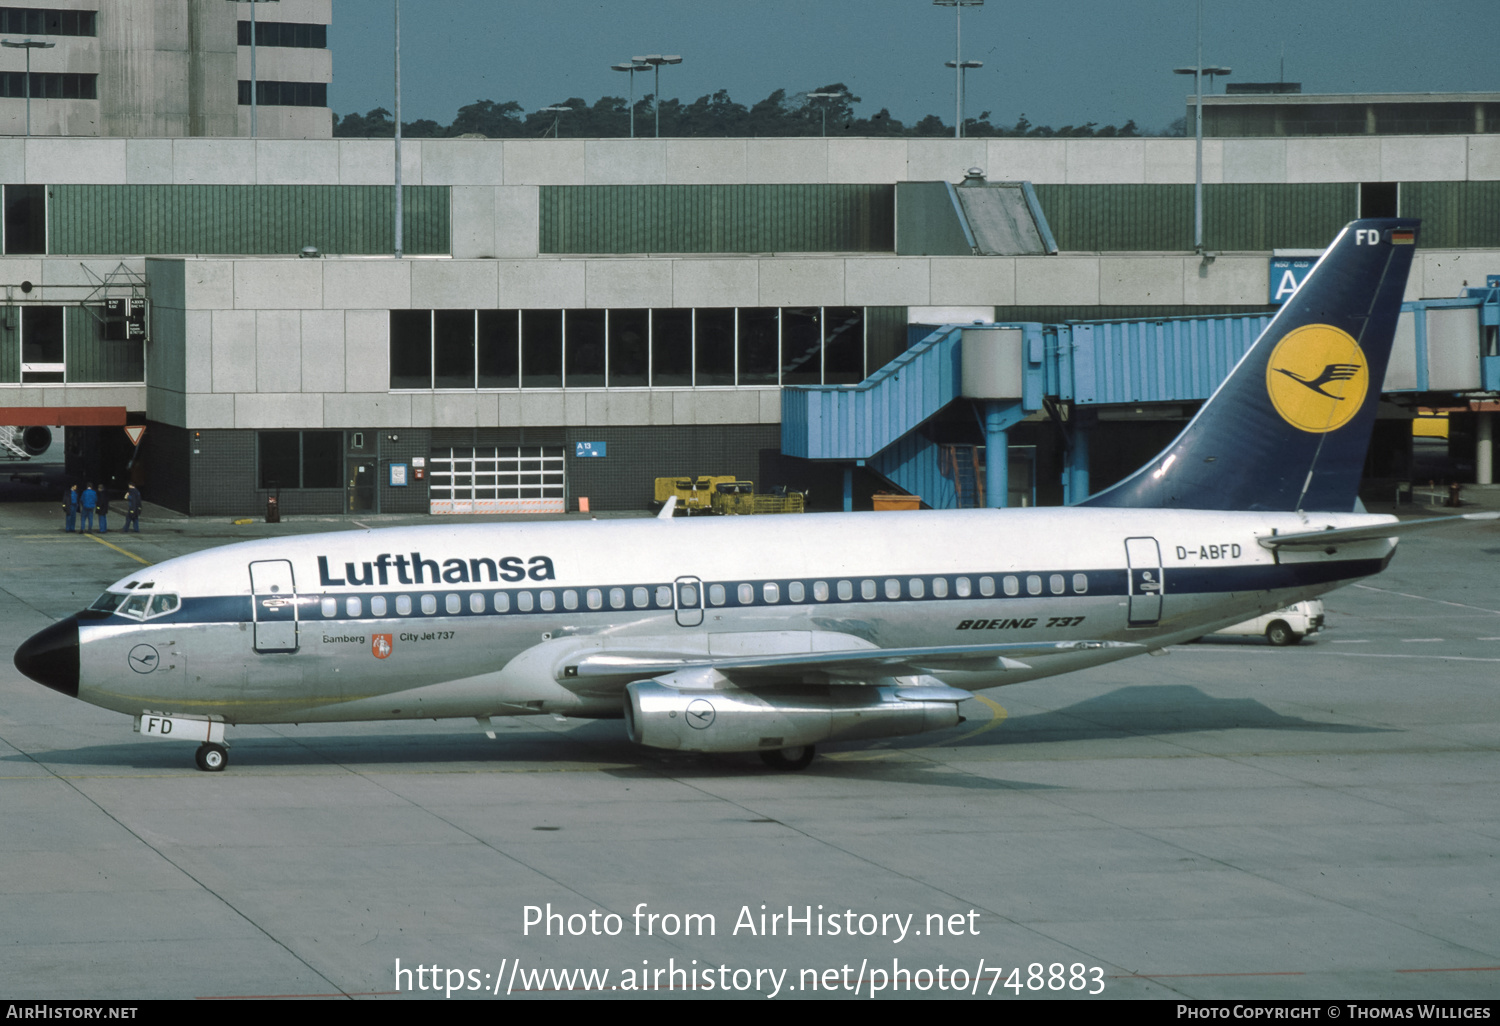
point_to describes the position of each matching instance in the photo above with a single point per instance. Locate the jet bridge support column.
(999, 418)
(1076, 462)
(1484, 448)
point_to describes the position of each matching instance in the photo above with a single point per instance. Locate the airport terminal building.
(572, 318)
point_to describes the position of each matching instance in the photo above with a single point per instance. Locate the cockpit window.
(142, 606)
(107, 603)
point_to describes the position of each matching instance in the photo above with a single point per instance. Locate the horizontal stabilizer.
(1348, 535)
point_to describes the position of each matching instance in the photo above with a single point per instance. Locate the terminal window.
(301, 459)
(34, 21)
(285, 33)
(25, 219)
(47, 85)
(633, 348)
(285, 94)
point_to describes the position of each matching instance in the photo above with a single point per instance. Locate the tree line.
(715, 116)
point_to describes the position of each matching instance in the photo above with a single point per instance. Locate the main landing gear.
(212, 758)
(797, 758)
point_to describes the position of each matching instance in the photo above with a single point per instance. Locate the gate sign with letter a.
(1287, 274)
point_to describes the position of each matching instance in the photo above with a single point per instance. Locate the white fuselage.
(487, 619)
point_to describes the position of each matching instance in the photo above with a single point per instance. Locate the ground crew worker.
(70, 509)
(89, 501)
(133, 508)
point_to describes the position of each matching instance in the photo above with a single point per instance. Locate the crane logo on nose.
(143, 659)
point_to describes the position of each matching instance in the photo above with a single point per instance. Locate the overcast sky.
(1057, 61)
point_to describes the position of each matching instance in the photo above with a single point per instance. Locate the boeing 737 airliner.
(773, 634)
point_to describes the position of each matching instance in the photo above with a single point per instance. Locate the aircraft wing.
(1347, 535)
(851, 665)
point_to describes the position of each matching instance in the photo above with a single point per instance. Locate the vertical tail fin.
(1288, 429)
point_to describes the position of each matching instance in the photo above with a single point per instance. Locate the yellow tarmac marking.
(995, 721)
(132, 555)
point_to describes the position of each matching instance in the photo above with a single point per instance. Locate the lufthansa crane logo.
(700, 714)
(1317, 378)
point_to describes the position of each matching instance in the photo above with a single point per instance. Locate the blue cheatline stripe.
(1102, 582)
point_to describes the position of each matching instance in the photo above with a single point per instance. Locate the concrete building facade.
(489, 357)
(166, 68)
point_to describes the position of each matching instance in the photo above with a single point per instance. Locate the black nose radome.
(50, 657)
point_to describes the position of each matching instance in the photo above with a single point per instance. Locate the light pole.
(28, 45)
(957, 65)
(557, 113)
(1198, 71)
(830, 97)
(632, 67)
(963, 82)
(252, 4)
(656, 60)
(399, 239)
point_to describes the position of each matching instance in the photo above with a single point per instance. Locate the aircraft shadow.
(599, 745)
(1151, 710)
(1128, 712)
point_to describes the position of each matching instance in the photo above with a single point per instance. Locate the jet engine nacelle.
(768, 719)
(36, 440)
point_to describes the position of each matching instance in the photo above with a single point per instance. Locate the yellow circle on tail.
(1317, 378)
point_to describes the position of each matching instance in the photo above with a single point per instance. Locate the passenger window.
(617, 598)
(795, 592)
(916, 588)
(962, 588)
(846, 591)
(1080, 583)
(866, 589)
(640, 598)
(1057, 584)
(1012, 586)
(820, 590)
(330, 607)
(353, 607)
(664, 596)
(687, 594)
(892, 588)
(595, 598)
(987, 586)
(940, 587)
(524, 601)
(453, 604)
(548, 600)
(502, 602)
(570, 599)
(716, 594)
(1033, 584)
(772, 592)
(377, 605)
(745, 594)
(476, 602)
(429, 604)
(403, 605)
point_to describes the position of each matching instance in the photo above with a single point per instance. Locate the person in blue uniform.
(104, 509)
(70, 509)
(89, 500)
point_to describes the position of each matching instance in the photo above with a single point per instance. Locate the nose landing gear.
(212, 758)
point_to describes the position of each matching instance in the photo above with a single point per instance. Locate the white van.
(1283, 626)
